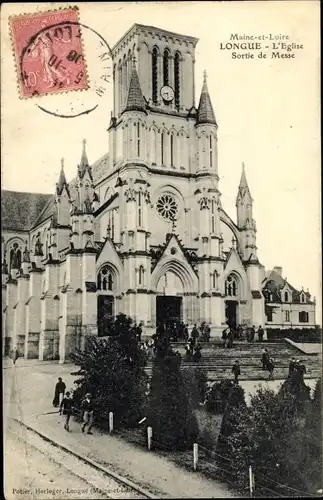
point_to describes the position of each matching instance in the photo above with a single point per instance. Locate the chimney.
(278, 270)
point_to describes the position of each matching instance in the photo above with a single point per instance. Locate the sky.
(267, 111)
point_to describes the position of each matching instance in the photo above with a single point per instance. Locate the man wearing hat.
(88, 411)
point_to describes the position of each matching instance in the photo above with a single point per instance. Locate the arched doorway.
(169, 299)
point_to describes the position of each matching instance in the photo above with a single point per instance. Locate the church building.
(142, 230)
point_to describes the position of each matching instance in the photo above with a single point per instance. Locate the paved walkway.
(28, 395)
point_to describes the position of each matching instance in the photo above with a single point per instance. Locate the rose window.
(167, 206)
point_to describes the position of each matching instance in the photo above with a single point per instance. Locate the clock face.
(167, 93)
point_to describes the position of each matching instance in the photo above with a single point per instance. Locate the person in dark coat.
(302, 369)
(194, 334)
(270, 368)
(88, 413)
(185, 332)
(207, 333)
(230, 339)
(260, 334)
(197, 353)
(59, 392)
(224, 336)
(191, 344)
(265, 359)
(236, 371)
(66, 409)
(292, 366)
(252, 333)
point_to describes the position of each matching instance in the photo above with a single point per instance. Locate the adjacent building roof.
(19, 211)
(274, 283)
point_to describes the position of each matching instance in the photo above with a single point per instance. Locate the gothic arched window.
(162, 147)
(140, 209)
(231, 286)
(166, 67)
(214, 280)
(105, 279)
(138, 139)
(213, 208)
(15, 257)
(286, 297)
(177, 79)
(154, 74)
(172, 150)
(211, 151)
(141, 272)
(110, 228)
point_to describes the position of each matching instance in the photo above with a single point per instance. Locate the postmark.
(49, 53)
(81, 52)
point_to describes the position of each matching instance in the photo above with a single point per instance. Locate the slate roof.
(273, 285)
(205, 113)
(135, 100)
(19, 210)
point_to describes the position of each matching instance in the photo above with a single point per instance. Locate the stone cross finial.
(204, 75)
(62, 163)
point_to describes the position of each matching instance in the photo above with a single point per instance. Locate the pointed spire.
(205, 113)
(84, 164)
(135, 100)
(243, 185)
(61, 180)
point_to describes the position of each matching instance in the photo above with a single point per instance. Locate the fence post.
(195, 455)
(250, 481)
(110, 422)
(149, 436)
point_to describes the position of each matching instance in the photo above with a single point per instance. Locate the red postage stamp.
(49, 52)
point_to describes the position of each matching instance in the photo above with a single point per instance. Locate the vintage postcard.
(161, 258)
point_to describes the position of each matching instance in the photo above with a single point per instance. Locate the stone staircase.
(217, 361)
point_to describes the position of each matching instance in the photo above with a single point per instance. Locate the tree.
(233, 445)
(217, 396)
(170, 412)
(112, 370)
(195, 385)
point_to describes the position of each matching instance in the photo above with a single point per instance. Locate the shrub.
(296, 334)
(170, 413)
(217, 396)
(112, 370)
(195, 385)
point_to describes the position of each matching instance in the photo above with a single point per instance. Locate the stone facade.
(142, 231)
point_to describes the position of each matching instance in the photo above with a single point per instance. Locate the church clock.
(167, 93)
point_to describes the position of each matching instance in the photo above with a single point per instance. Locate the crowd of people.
(241, 332)
(63, 400)
(174, 332)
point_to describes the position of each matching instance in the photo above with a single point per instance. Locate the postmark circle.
(68, 60)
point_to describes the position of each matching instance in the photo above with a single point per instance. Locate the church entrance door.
(105, 313)
(231, 313)
(168, 309)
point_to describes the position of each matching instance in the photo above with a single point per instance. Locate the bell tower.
(165, 68)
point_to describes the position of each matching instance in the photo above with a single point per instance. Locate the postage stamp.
(49, 52)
